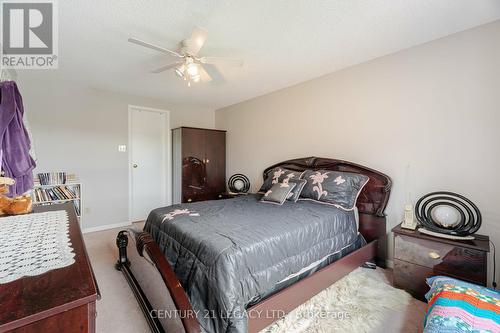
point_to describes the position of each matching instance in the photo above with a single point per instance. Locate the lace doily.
(33, 244)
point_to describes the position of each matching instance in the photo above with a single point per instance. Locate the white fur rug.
(356, 303)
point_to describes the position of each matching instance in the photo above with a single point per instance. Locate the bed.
(238, 265)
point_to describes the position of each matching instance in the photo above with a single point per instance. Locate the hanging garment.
(15, 144)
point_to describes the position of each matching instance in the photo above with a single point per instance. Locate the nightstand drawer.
(442, 258)
(420, 251)
(411, 278)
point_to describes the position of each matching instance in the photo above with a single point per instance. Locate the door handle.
(134, 166)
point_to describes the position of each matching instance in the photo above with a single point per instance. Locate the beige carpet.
(118, 311)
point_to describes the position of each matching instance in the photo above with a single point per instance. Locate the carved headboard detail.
(374, 196)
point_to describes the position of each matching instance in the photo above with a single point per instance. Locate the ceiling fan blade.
(222, 61)
(153, 47)
(167, 67)
(215, 74)
(197, 39)
(204, 76)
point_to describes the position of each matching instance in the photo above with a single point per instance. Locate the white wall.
(78, 129)
(435, 107)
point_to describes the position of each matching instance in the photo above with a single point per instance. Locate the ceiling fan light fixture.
(189, 65)
(192, 69)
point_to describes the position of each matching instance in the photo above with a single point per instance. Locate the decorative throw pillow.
(337, 188)
(299, 186)
(278, 193)
(278, 175)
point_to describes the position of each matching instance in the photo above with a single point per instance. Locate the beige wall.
(434, 107)
(78, 129)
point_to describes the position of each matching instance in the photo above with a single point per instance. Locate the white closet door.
(148, 158)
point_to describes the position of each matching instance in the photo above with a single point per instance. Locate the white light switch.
(122, 148)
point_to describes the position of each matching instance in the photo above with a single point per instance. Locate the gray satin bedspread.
(227, 252)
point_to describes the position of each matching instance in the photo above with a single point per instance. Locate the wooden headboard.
(371, 202)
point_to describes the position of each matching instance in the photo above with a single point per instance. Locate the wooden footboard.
(154, 284)
(166, 305)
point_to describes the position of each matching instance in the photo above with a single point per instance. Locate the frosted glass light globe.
(446, 216)
(238, 185)
(192, 69)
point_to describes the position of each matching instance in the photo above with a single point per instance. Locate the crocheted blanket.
(33, 244)
(458, 306)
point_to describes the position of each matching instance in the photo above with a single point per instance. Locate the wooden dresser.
(418, 256)
(199, 164)
(60, 300)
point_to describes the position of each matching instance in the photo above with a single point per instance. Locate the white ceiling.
(282, 42)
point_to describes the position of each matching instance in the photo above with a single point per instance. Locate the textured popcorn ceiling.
(281, 42)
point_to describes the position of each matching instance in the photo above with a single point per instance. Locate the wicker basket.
(13, 206)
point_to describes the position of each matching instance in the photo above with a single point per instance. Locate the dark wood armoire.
(199, 164)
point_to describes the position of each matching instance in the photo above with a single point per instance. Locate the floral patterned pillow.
(278, 193)
(299, 186)
(278, 175)
(337, 188)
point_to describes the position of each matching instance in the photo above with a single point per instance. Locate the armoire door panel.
(194, 173)
(216, 162)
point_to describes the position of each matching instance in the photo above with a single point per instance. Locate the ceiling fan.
(189, 65)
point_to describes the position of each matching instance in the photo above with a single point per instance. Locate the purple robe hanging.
(16, 161)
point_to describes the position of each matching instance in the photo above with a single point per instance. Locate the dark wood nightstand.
(418, 256)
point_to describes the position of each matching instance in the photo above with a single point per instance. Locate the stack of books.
(55, 193)
(52, 178)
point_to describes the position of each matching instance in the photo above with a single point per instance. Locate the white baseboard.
(106, 227)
